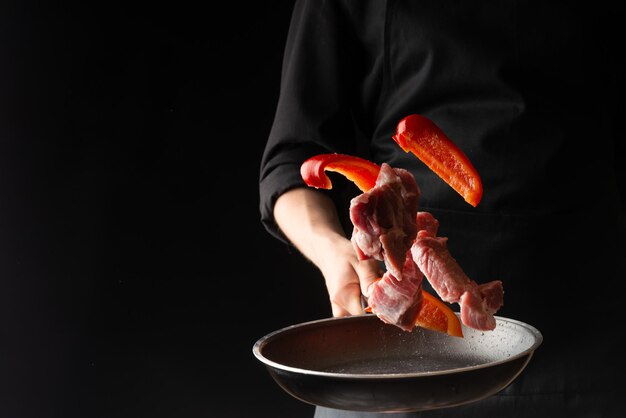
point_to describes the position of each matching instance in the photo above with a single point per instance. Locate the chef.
(531, 93)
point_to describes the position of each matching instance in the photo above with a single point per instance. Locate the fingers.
(346, 298)
(347, 301)
(346, 277)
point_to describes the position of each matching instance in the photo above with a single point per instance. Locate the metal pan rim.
(258, 347)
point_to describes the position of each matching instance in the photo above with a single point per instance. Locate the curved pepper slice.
(426, 141)
(437, 316)
(360, 171)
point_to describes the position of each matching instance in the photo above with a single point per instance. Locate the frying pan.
(360, 363)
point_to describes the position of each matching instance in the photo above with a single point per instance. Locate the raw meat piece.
(384, 229)
(384, 220)
(426, 221)
(398, 302)
(478, 302)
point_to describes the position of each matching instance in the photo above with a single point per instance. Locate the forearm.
(309, 220)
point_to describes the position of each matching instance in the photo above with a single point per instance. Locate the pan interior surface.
(364, 346)
(359, 363)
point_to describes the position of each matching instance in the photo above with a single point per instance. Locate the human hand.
(346, 277)
(309, 219)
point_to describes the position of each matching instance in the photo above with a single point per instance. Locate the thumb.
(369, 271)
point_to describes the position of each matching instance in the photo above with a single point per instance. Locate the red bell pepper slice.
(437, 316)
(429, 143)
(361, 171)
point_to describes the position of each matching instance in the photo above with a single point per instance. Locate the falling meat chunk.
(478, 302)
(427, 222)
(384, 228)
(384, 219)
(398, 302)
(387, 227)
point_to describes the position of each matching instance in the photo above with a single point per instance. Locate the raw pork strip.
(384, 220)
(478, 302)
(398, 302)
(384, 229)
(427, 222)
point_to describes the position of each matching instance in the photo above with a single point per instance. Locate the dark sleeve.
(312, 114)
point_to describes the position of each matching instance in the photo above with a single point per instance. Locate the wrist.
(327, 247)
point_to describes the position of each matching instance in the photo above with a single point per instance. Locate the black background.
(135, 274)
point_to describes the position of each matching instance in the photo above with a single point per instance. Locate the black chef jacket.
(531, 92)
